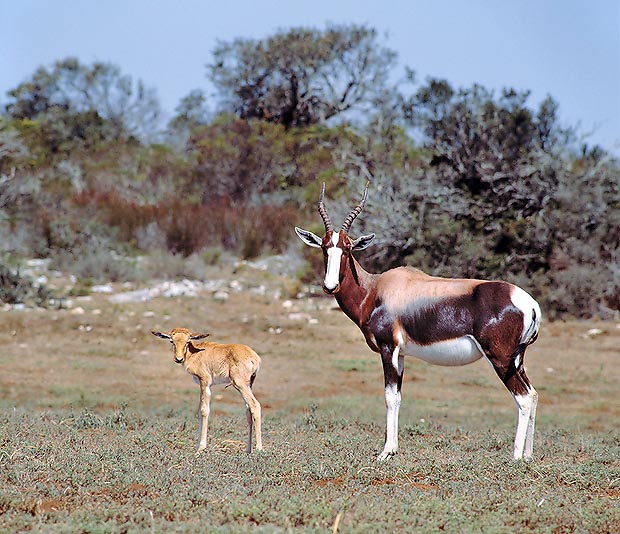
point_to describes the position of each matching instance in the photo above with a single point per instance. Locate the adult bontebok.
(215, 363)
(443, 321)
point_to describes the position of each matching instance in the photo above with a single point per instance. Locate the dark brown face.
(336, 246)
(336, 250)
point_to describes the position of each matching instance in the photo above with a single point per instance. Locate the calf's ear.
(161, 335)
(196, 337)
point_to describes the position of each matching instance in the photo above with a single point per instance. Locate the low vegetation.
(116, 453)
(18, 289)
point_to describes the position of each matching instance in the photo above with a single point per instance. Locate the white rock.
(139, 295)
(299, 316)
(37, 262)
(104, 288)
(593, 332)
(235, 284)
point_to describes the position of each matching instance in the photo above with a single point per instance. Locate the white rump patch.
(528, 306)
(458, 351)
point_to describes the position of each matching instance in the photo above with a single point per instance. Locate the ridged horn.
(323, 212)
(346, 225)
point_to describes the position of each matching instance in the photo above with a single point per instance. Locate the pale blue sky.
(569, 49)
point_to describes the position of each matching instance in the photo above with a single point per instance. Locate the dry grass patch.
(98, 429)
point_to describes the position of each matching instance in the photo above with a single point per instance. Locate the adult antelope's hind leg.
(526, 405)
(524, 438)
(529, 436)
(393, 368)
(512, 374)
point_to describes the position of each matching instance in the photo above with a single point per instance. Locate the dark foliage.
(490, 188)
(16, 289)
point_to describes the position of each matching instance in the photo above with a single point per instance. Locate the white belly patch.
(459, 351)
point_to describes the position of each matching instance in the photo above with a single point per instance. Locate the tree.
(496, 149)
(13, 154)
(235, 158)
(190, 114)
(301, 76)
(85, 99)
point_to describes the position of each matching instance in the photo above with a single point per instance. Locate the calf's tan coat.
(215, 363)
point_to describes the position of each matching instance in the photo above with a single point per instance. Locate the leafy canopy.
(302, 76)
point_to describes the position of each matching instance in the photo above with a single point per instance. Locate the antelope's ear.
(363, 242)
(161, 335)
(310, 239)
(196, 337)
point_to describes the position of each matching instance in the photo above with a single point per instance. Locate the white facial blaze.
(332, 273)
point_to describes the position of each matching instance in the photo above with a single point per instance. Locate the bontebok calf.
(216, 363)
(444, 321)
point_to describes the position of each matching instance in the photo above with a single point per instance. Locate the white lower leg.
(392, 403)
(529, 435)
(525, 425)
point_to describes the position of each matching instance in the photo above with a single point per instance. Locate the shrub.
(15, 289)
(183, 227)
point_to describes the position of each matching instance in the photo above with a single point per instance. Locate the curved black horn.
(346, 225)
(323, 212)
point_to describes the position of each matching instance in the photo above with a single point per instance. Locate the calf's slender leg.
(253, 414)
(205, 402)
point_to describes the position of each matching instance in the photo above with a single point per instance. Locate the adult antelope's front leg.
(393, 368)
(203, 414)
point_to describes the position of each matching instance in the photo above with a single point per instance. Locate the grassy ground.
(98, 428)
